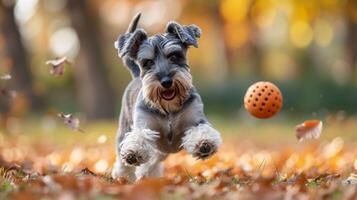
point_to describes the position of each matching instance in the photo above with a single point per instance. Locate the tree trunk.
(94, 90)
(351, 46)
(351, 39)
(16, 53)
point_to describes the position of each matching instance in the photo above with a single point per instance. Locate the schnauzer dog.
(161, 110)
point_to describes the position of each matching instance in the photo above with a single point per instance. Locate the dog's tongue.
(168, 94)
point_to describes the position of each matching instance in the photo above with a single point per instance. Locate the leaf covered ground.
(43, 159)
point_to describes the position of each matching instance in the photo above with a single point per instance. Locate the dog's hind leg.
(153, 168)
(120, 170)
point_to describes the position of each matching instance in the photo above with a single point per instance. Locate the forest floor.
(42, 159)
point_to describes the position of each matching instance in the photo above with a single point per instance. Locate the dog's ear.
(187, 34)
(129, 43)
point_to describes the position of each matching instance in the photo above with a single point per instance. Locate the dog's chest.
(171, 134)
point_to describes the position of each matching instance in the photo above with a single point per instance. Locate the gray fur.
(128, 44)
(163, 119)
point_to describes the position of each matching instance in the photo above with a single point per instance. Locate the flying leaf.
(70, 121)
(310, 129)
(57, 65)
(4, 91)
(5, 77)
(351, 180)
(8, 93)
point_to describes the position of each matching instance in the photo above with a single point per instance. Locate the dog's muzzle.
(168, 93)
(166, 82)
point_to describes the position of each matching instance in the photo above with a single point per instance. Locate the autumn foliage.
(77, 165)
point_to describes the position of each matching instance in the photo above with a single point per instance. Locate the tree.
(16, 53)
(351, 39)
(94, 90)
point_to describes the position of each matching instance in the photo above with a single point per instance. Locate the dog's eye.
(175, 57)
(147, 63)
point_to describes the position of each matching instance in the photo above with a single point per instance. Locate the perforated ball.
(263, 100)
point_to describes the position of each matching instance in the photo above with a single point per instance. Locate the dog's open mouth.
(168, 94)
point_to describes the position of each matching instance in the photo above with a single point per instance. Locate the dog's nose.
(131, 159)
(166, 82)
(205, 148)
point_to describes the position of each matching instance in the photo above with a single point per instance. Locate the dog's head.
(162, 60)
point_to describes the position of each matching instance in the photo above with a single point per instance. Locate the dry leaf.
(310, 129)
(3, 89)
(8, 93)
(57, 65)
(5, 77)
(87, 171)
(70, 121)
(351, 180)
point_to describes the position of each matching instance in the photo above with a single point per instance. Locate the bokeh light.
(301, 34)
(69, 48)
(25, 9)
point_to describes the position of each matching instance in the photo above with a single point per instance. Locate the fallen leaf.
(148, 188)
(70, 121)
(87, 171)
(351, 180)
(5, 77)
(310, 129)
(57, 65)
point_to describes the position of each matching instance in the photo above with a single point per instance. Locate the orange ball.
(263, 100)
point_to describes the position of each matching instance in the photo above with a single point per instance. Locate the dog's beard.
(152, 91)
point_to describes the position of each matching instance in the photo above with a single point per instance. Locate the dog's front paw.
(201, 141)
(138, 147)
(133, 157)
(205, 149)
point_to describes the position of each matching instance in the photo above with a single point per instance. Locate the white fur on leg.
(121, 170)
(140, 141)
(153, 168)
(202, 132)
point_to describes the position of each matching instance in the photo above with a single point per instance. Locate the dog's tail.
(128, 62)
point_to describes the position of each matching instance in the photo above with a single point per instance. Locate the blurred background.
(307, 47)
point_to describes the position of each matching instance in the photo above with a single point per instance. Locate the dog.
(161, 112)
